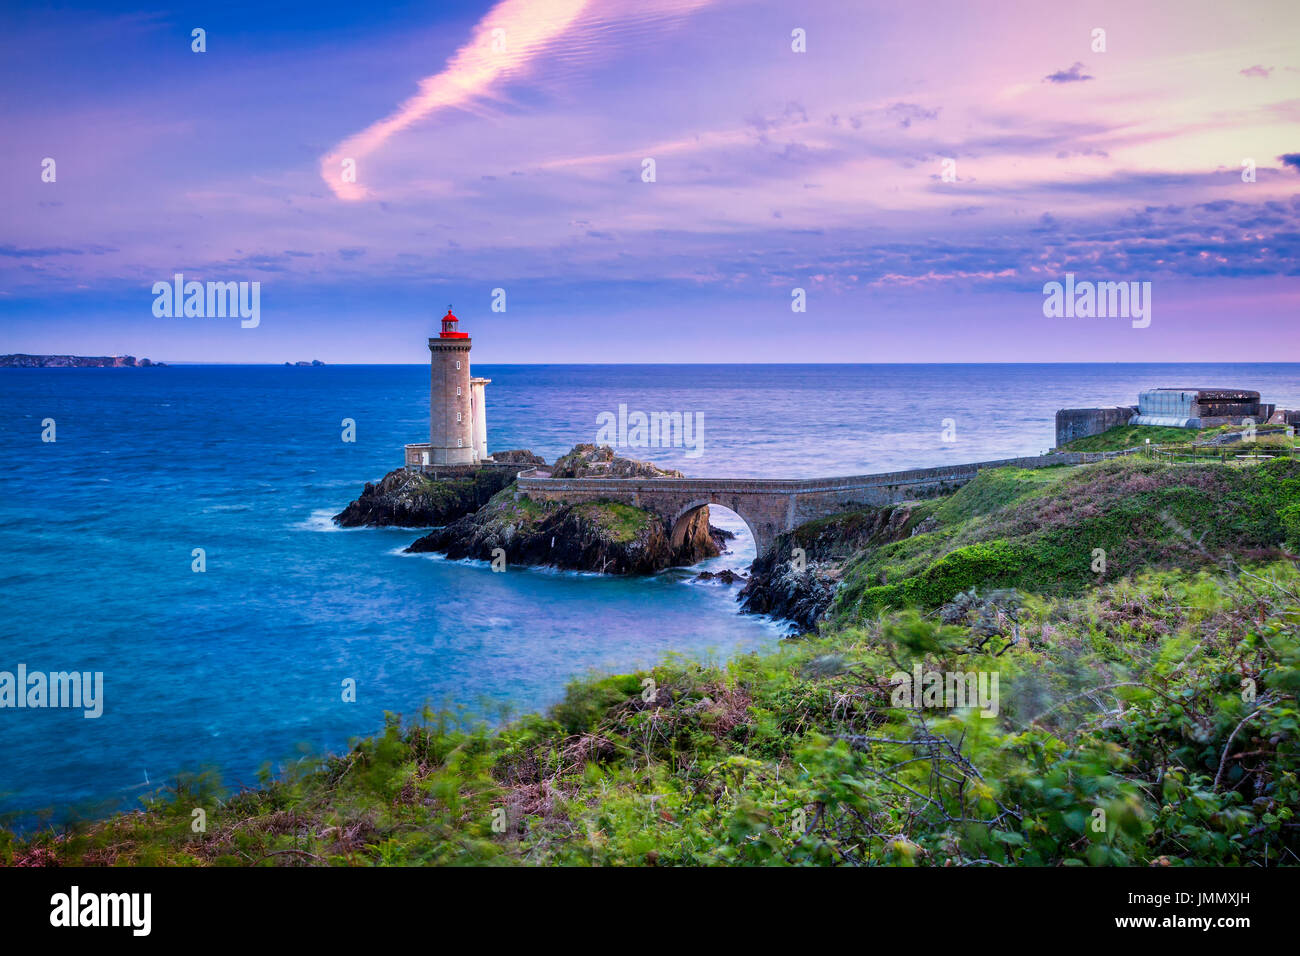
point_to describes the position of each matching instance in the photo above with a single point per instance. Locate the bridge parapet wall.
(624, 487)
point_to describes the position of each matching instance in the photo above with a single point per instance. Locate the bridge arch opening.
(739, 550)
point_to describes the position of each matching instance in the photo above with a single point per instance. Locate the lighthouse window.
(457, 389)
(458, 365)
(460, 442)
(458, 416)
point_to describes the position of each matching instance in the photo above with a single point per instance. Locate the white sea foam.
(322, 519)
(401, 552)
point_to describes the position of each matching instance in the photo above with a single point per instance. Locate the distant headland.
(77, 361)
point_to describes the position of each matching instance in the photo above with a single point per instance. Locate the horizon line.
(179, 362)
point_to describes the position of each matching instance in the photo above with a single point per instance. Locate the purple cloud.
(1074, 74)
(905, 113)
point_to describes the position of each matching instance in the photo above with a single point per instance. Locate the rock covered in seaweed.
(609, 537)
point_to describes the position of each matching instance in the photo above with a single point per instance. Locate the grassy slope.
(1041, 532)
(1114, 741)
(622, 522)
(1131, 436)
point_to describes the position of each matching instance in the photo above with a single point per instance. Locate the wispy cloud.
(502, 47)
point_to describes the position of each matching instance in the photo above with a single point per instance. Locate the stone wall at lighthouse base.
(422, 457)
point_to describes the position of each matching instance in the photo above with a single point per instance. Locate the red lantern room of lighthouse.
(449, 322)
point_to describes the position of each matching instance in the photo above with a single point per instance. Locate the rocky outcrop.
(608, 537)
(519, 456)
(800, 597)
(725, 576)
(592, 461)
(479, 513)
(408, 499)
(720, 538)
(778, 584)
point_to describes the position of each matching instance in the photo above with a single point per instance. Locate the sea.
(250, 663)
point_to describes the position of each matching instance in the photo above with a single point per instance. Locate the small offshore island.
(20, 360)
(1132, 599)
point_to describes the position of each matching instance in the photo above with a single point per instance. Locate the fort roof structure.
(1199, 407)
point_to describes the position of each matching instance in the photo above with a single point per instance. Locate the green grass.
(1122, 437)
(995, 489)
(1130, 436)
(523, 507)
(622, 522)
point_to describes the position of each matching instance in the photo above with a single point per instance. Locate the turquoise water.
(242, 663)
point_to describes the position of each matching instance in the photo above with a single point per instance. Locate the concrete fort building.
(1173, 407)
(457, 406)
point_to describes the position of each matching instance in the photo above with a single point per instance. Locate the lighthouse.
(457, 416)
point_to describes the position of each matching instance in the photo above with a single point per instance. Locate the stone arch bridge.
(769, 506)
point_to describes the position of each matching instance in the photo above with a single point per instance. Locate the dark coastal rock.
(608, 537)
(726, 576)
(408, 499)
(801, 597)
(778, 588)
(720, 538)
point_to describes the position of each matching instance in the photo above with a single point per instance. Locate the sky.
(919, 170)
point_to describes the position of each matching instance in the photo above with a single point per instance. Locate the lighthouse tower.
(452, 418)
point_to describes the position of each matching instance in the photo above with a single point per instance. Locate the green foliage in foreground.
(1151, 722)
